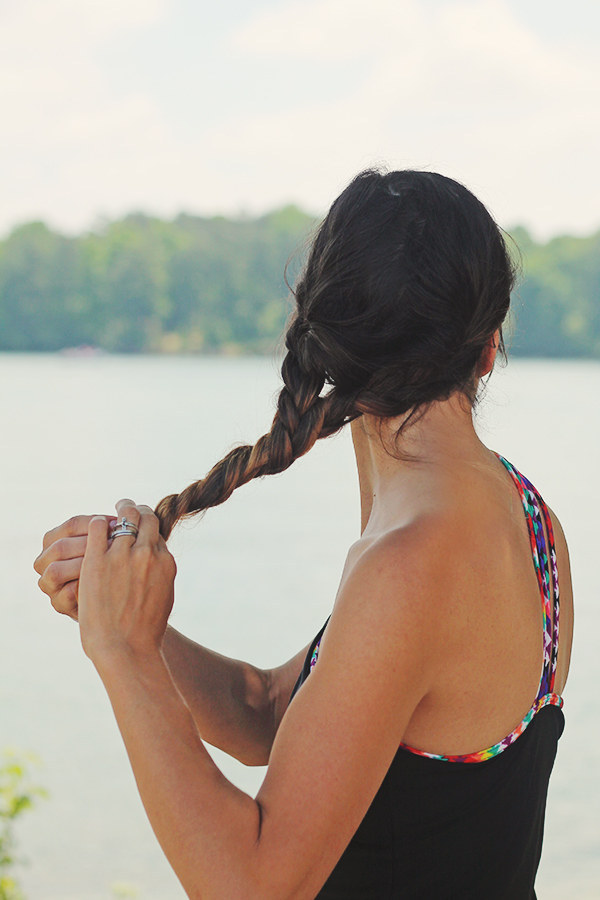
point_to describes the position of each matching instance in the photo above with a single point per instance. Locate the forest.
(216, 285)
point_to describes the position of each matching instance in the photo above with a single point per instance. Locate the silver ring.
(123, 526)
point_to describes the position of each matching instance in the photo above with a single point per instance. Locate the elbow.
(245, 878)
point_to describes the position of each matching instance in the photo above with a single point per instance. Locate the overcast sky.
(109, 106)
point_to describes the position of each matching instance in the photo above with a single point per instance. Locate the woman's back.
(460, 812)
(474, 513)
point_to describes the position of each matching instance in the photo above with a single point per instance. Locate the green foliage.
(17, 794)
(142, 284)
(216, 285)
(557, 306)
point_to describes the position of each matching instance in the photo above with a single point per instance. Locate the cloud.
(57, 105)
(289, 106)
(471, 51)
(464, 86)
(43, 25)
(329, 30)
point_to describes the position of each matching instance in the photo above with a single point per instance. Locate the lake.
(79, 433)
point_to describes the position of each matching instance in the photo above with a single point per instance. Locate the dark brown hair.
(407, 279)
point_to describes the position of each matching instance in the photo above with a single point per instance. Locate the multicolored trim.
(482, 755)
(545, 563)
(536, 515)
(315, 655)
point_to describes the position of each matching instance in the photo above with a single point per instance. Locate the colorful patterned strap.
(544, 559)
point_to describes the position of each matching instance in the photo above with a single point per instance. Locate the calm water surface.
(256, 580)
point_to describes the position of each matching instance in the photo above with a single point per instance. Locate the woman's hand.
(59, 563)
(126, 586)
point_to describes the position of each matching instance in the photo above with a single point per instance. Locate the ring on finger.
(123, 526)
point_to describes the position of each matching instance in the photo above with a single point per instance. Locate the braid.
(302, 417)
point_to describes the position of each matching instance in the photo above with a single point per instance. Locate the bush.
(17, 794)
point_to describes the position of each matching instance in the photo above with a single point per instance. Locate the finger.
(149, 526)
(126, 509)
(63, 548)
(74, 527)
(65, 601)
(97, 543)
(59, 573)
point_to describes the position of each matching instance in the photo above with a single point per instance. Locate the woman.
(409, 747)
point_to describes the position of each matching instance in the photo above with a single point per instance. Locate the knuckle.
(65, 601)
(58, 604)
(144, 554)
(48, 538)
(70, 598)
(60, 548)
(170, 565)
(76, 526)
(52, 575)
(41, 563)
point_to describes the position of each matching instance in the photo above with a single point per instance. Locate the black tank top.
(468, 827)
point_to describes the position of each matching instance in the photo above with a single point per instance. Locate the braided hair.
(407, 279)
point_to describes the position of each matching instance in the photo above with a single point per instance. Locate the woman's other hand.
(126, 586)
(59, 563)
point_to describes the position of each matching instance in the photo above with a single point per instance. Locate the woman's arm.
(236, 706)
(335, 742)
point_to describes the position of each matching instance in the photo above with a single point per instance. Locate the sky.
(163, 106)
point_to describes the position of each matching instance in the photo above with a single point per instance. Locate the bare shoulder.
(401, 550)
(396, 580)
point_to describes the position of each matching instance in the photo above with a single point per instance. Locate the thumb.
(97, 541)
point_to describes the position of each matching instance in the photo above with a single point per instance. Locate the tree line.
(216, 285)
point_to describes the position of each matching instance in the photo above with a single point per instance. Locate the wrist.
(119, 655)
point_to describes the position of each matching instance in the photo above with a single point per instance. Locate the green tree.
(195, 284)
(42, 302)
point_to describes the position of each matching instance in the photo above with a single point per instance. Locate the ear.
(488, 355)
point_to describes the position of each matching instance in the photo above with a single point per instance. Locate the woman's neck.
(441, 440)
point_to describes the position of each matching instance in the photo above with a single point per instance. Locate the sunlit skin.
(434, 640)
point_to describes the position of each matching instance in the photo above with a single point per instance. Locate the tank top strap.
(543, 551)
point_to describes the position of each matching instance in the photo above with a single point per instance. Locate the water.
(256, 580)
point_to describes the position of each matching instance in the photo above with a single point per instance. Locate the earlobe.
(488, 356)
